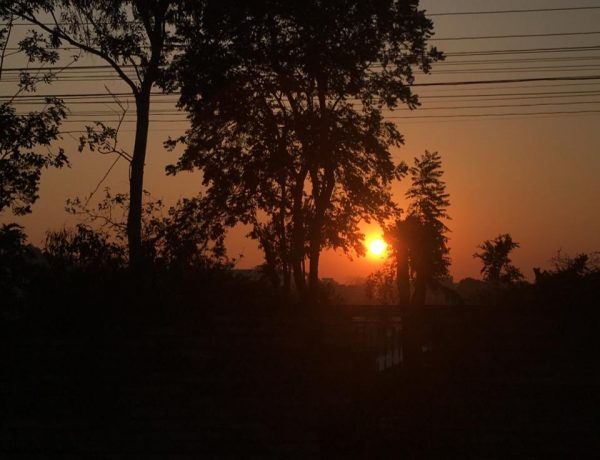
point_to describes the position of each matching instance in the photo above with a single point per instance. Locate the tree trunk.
(136, 181)
(286, 283)
(313, 274)
(402, 276)
(296, 262)
(297, 237)
(418, 298)
(271, 266)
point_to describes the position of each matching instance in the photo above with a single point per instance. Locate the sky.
(522, 166)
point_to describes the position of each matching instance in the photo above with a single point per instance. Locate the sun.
(377, 247)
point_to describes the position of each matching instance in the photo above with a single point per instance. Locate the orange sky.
(534, 176)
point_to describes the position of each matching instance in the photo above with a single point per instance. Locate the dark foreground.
(497, 383)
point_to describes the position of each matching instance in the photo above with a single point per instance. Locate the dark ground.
(497, 383)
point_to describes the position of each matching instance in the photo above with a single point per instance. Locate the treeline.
(85, 270)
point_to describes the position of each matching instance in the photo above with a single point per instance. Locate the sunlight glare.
(377, 247)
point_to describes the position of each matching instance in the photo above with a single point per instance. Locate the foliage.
(497, 266)
(580, 266)
(25, 139)
(21, 163)
(82, 247)
(183, 238)
(381, 285)
(124, 34)
(20, 264)
(418, 241)
(429, 201)
(574, 282)
(286, 102)
(428, 191)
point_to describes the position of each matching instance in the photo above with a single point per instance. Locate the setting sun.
(377, 247)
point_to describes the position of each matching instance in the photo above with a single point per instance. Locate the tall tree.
(125, 34)
(287, 115)
(428, 207)
(497, 266)
(418, 241)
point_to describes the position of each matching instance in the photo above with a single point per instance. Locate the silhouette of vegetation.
(497, 267)
(124, 34)
(179, 237)
(382, 285)
(81, 248)
(25, 140)
(418, 242)
(276, 131)
(573, 281)
(14, 269)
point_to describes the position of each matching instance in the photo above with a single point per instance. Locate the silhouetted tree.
(124, 34)
(497, 266)
(400, 236)
(418, 241)
(25, 139)
(287, 122)
(429, 201)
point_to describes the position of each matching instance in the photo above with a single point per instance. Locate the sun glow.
(377, 247)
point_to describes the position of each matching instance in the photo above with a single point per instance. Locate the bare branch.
(9, 29)
(102, 180)
(65, 36)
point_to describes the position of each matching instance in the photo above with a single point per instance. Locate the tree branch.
(63, 35)
(9, 29)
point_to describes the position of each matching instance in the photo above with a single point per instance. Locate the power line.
(470, 97)
(417, 117)
(98, 114)
(512, 80)
(494, 37)
(485, 115)
(451, 62)
(532, 10)
(435, 84)
(448, 13)
(110, 76)
(560, 49)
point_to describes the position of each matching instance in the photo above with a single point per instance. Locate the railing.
(380, 338)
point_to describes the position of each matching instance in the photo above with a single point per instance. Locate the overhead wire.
(433, 14)
(480, 89)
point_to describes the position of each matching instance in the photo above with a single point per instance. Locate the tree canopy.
(494, 255)
(25, 139)
(286, 101)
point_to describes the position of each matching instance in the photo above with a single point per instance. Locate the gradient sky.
(534, 176)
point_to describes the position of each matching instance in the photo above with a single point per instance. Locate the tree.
(287, 117)
(25, 139)
(125, 34)
(419, 240)
(430, 259)
(494, 255)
